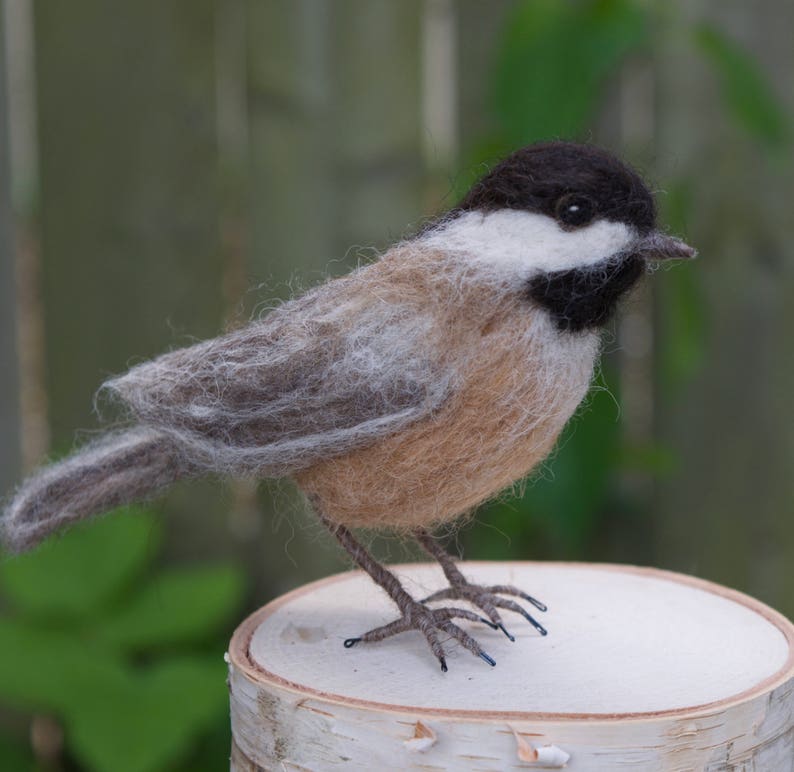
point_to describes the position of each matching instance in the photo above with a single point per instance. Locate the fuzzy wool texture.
(521, 244)
(353, 360)
(405, 393)
(399, 396)
(117, 469)
(536, 177)
(402, 394)
(518, 380)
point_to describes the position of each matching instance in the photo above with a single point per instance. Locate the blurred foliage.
(126, 658)
(745, 91)
(683, 327)
(554, 64)
(15, 755)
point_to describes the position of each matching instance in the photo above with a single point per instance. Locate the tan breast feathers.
(519, 382)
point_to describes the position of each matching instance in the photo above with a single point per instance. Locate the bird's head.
(574, 224)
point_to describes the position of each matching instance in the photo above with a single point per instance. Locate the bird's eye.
(574, 211)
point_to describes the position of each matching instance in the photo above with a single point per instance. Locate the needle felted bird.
(401, 395)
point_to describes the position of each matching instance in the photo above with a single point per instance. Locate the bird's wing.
(321, 375)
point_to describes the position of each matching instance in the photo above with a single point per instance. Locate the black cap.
(574, 183)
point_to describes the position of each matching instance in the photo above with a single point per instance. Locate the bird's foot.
(431, 623)
(487, 598)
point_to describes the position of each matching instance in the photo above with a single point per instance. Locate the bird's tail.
(118, 469)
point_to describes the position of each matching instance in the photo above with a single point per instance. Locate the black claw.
(535, 602)
(489, 660)
(534, 622)
(493, 626)
(350, 642)
(443, 664)
(501, 627)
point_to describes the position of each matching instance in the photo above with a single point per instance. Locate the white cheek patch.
(521, 244)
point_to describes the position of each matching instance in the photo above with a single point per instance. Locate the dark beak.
(659, 246)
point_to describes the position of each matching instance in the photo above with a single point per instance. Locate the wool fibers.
(402, 394)
(117, 469)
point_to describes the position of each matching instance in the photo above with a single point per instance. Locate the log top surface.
(622, 640)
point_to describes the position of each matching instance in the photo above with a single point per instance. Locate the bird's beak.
(659, 246)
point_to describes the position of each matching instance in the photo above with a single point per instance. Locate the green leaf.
(74, 575)
(117, 718)
(682, 327)
(554, 62)
(480, 157)
(211, 752)
(152, 720)
(649, 458)
(745, 90)
(50, 670)
(15, 756)
(177, 606)
(682, 320)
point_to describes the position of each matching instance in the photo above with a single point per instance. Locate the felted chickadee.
(403, 394)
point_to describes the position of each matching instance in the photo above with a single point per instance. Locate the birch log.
(642, 669)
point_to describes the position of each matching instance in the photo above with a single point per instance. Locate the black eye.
(574, 210)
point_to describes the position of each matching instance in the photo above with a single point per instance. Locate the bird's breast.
(519, 381)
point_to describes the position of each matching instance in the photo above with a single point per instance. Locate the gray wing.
(321, 375)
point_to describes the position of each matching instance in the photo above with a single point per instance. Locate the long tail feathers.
(117, 469)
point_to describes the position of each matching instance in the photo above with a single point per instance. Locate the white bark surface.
(642, 669)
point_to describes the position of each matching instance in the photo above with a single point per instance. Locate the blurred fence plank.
(335, 161)
(9, 373)
(334, 100)
(23, 135)
(128, 164)
(479, 37)
(130, 255)
(726, 512)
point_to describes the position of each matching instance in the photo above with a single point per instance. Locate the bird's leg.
(483, 597)
(415, 615)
